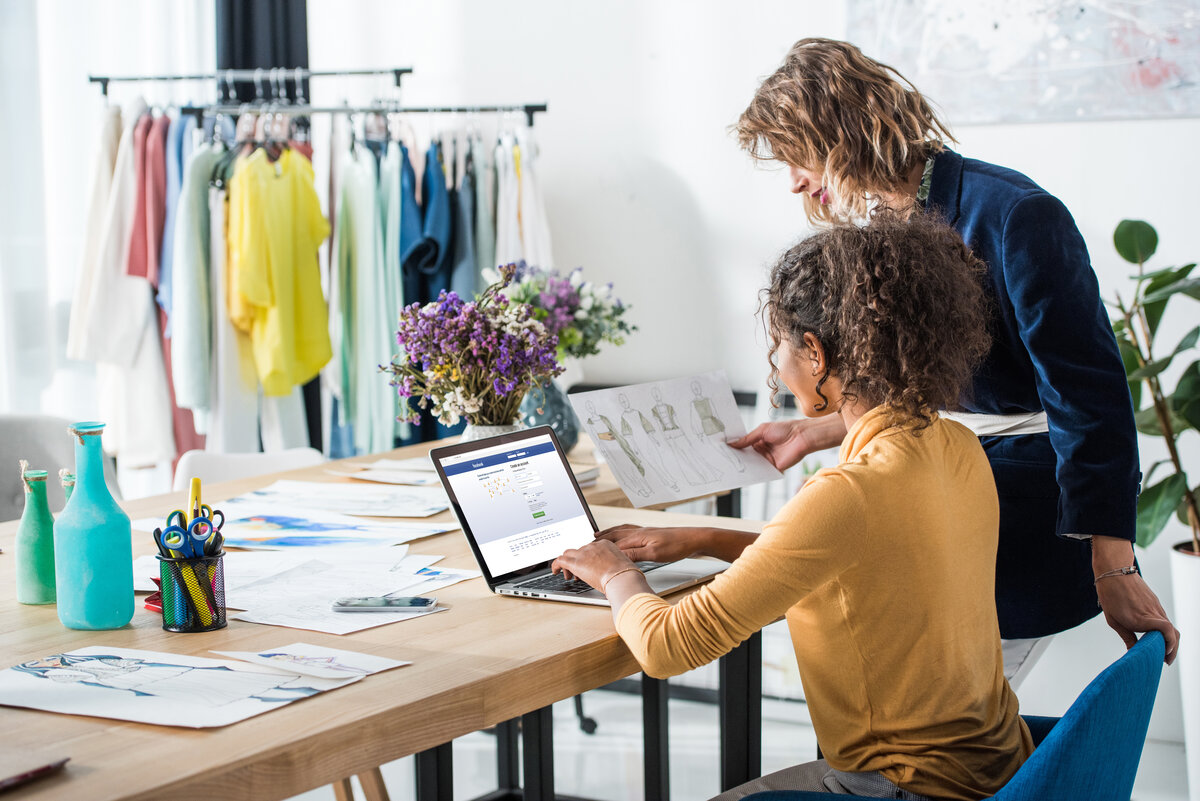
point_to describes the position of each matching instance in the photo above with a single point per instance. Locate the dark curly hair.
(898, 305)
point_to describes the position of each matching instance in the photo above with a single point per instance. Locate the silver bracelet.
(1120, 571)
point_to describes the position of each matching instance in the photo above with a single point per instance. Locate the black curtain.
(268, 33)
(261, 33)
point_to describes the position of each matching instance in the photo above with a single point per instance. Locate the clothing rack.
(259, 74)
(529, 109)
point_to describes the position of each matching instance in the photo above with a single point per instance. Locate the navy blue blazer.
(1053, 350)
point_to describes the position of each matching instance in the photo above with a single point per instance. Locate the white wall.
(646, 188)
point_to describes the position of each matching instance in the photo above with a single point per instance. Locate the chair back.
(1094, 750)
(46, 443)
(211, 467)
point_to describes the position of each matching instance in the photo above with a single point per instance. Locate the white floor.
(607, 765)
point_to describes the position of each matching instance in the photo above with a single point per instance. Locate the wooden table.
(486, 661)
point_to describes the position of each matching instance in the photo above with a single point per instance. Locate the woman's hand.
(594, 563)
(643, 544)
(784, 443)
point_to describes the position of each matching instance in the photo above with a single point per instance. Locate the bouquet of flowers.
(582, 314)
(472, 359)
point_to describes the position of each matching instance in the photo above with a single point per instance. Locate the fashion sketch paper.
(665, 440)
(149, 687)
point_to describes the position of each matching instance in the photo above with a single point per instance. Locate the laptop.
(520, 507)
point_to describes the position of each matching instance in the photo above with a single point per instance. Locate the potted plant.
(1165, 412)
(472, 359)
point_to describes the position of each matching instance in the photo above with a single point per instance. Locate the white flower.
(580, 314)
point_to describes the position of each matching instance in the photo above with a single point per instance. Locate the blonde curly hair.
(831, 109)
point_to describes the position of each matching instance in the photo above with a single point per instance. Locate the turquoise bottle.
(93, 551)
(35, 542)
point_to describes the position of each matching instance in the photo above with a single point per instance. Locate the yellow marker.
(193, 500)
(197, 594)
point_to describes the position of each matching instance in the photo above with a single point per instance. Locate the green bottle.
(68, 483)
(35, 542)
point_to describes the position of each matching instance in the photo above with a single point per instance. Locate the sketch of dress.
(695, 469)
(629, 470)
(639, 432)
(710, 429)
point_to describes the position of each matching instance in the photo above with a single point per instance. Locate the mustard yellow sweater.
(885, 569)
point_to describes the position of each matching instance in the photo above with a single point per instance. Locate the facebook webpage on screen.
(519, 503)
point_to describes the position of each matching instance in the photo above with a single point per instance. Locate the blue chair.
(1092, 752)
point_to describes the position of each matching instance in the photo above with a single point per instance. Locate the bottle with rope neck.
(35, 541)
(93, 552)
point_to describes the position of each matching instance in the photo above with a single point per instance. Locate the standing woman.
(1050, 403)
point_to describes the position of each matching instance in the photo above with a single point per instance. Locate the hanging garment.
(410, 229)
(508, 223)
(393, 277)
(233, 419)
(114, 326)
(535, 228)
(464, 271)
(179, 153)
(155, 194)
(485, 210)
(97, 210)
(339, 373)
(191, 289)
(135, 263)
(431, 254)
(275, 229)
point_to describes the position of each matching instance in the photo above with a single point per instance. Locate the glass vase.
(474, 432)
(547, 405)
(35, 542)
(93, 552)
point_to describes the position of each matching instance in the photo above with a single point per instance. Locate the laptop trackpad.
(681, 574)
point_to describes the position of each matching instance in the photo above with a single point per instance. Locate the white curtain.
(48, 141)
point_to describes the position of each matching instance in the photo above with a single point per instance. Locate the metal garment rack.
(529, 109)
(259, 74)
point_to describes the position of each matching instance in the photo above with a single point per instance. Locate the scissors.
(190, 541)
(178, 517)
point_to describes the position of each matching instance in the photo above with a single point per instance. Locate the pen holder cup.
(193, 593)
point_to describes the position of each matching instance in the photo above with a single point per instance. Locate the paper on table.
(354, 499)
(149, 687)
(417, 478)
(315, 617)
(422, 463)
(316, 660)
(665, 440)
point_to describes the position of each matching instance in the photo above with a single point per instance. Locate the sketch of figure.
(639, 433)
(629, 469)
(325, 662)
(695, 468)
(215, 686)
(710, 429)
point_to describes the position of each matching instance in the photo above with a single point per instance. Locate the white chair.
(211, 467)
(44, 441)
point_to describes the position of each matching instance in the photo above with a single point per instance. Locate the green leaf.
(1135, 240)
(1185, 400)
(1188, 286)
(1146, 421)
(1181, 511)
(1160, 282)
(1155, 505)
(1153, 467)
(1154, 368)
(1129, 358)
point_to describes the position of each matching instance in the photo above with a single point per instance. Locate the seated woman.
(884, 565)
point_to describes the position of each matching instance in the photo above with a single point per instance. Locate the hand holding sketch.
(665, 440)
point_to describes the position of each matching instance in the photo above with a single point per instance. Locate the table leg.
(434, 774)
(374, 788)
(740, 699)
(508, 761)
(655, 754)
(343, 790)
(537, 731)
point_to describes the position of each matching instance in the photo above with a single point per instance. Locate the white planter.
(473, 432)
(1185, 578)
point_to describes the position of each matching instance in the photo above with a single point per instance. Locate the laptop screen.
(517, 500)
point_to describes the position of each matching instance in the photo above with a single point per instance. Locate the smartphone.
(384, 603)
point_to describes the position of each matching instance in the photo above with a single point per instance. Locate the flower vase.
(474, 432)
(93, 551)
(35, 542)
(547, 405)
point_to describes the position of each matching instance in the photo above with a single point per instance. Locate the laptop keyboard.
(556, 582)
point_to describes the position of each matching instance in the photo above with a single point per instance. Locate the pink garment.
(137, 263)
(182, 422)
(156, 193)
